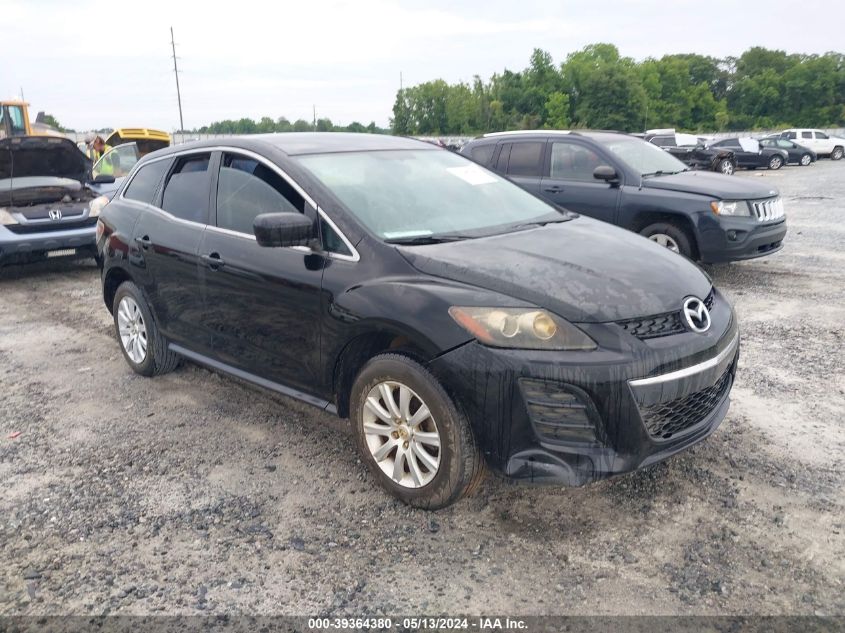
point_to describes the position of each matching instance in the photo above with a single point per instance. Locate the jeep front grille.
(768, 209)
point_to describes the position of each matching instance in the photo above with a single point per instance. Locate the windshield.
(642, 157)
(399, 195)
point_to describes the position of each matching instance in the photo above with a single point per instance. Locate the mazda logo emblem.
(55, 214)
(696, 315)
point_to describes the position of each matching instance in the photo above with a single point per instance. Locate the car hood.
(23, 156)
(711, 185)
(584, 270)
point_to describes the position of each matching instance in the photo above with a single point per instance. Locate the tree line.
(597, 88)
(267, 124)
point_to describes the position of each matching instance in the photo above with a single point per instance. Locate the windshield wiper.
(660, 172)
(562, 218)
(416, 240)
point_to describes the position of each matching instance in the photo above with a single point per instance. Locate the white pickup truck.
(820, 142)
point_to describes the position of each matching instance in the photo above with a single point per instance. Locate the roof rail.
(516, 132)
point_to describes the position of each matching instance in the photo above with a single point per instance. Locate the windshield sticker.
(392, 235)
(473, 174)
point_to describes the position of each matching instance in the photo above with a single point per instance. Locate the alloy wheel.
(805, 160)
(775, 163)
(401, 434)
(133, 331)
(666, 241)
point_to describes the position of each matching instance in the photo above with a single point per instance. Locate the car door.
(823, 142)
(807, 139)
(262, 305)
(166, 240)
(569, 181)
(522, 162)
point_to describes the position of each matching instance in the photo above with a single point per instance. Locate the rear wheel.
(142, 345)
(805, 160)
(837, 152)
(775, 162)
(725, 166)
(670, 236)
(410, 434)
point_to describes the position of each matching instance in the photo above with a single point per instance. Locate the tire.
(671, 236)
(726, 167)
(805, 160)
(387, 446)
(775, 162)
(837, 152)
(148, 355)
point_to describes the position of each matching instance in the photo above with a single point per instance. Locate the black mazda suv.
(457, 320)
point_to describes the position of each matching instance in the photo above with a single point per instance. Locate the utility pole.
(178, 92)
(22, 98)
(400, 81)
(315, 116)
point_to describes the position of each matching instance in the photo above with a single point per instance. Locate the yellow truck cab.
(14, 119)
(147, 140)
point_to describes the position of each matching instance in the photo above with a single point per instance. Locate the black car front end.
(758, 230)
(651, 388)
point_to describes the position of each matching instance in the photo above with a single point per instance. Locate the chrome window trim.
(688, 371)
(355, 257)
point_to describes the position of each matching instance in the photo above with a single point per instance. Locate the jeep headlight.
(6, 218)
(97, 205)
(521, 328)
(730, 207)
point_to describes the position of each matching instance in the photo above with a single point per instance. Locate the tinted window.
(247, 188)
(145, 183)
(573, 162)
(186, 191)
(525, 159)
(663, 141)
(786, 144)
(806, 135)
(792, 135)
(821, 135)
(502, 162)
(483, 153)
(767, 142)
(331, 240)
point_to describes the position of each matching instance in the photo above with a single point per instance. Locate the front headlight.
(6, 218)
(521, 328)
(730, 207)
(97, 205)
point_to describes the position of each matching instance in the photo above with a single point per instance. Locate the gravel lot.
(194, 493)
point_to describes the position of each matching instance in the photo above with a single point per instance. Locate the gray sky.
(278, 58)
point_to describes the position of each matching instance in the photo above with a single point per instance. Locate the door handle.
(144, 241)
(553, 189)
(213, 261)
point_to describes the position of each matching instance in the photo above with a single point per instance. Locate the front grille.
(660, 324)
(559, 412)
(768, 209)
(47, 227)
(667, 419)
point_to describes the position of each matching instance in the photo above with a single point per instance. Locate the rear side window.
(483, 154)
(525, 159)
(247, 188)
(186, 192)
(664, 141)
(145, 183)
(502, 161)
(806, 135)
(573, 162)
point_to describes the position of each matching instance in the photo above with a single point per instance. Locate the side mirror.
(283, 229)
(606, 173)
(104, 179)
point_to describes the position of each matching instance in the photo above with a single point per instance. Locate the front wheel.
(142, 345)
(725, 166)
(806, 159)
(670, 236)
(411, 435)
(775, 162)
(836, 154)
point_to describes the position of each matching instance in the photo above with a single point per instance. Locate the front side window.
(822, 135)
(525, 159)
(247, 188)
(642, 157)
(332, 242)
(792, 135)
(406, 194)
(145, 183)
(120, 160)
(186, 192)
(573, 162)
(16, 121)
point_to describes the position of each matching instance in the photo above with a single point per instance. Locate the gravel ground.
(194, 493)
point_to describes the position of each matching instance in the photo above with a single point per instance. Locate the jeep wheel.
(725, 166)
(410, 434)
(806, 159)
(143, 347)
(671, 236)
(775, 162)
(836, 154)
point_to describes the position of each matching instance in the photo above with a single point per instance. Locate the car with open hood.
(457, 320)
(47, 206)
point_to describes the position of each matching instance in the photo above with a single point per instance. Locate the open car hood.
(26, 156)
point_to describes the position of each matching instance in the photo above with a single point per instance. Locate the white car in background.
(820, 142)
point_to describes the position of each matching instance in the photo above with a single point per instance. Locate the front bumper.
(18, 247)
(729, 239)
(644, 401)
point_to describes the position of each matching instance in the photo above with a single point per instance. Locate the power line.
(176, 72)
